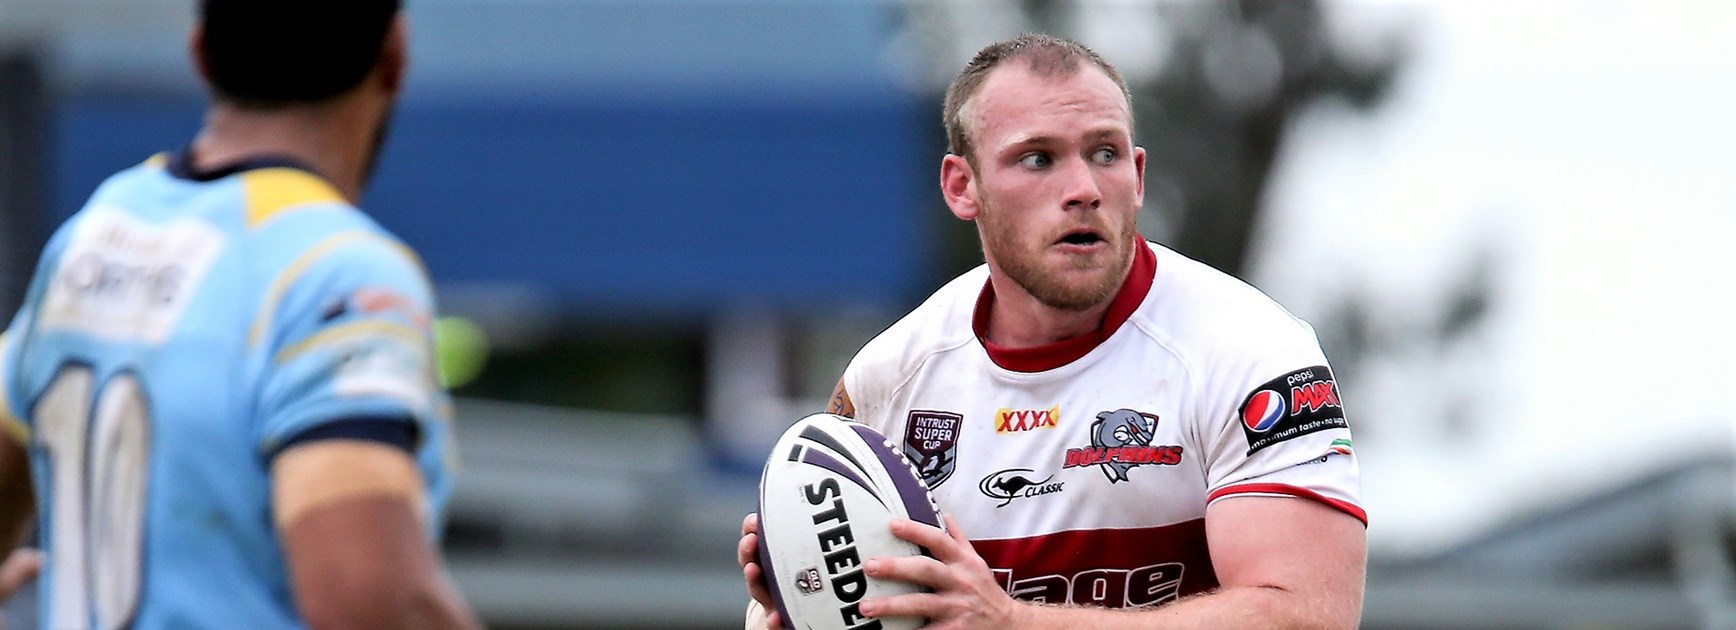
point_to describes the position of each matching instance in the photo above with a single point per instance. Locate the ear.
(394, 55)
(958, 187)
(196, 50)
(1139, 167)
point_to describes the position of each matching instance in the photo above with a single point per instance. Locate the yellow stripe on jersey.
(293, 271)
(270, 191)
(157, 161)
(268, 307)
(344, 332)
(9, 424)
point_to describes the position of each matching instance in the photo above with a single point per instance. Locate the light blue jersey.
(178, 331)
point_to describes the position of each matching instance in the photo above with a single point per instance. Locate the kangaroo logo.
(1016, 483)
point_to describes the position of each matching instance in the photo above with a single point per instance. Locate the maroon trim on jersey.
(1117, 568)
(1294, 491)
(1050, 356)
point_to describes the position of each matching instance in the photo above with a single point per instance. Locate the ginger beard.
(1080, 281)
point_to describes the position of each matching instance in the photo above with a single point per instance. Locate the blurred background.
(660, 228)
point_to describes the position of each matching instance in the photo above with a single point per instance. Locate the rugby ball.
(828, 494)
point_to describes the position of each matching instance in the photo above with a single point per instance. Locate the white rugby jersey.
(1082, 469)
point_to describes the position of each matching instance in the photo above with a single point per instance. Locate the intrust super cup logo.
(1293, 405)
(931, 444)
(1264, 409)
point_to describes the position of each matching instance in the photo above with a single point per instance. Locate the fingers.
(747, 555)
(920, 570)
(747, 550)
(756, 585)
(954, 530)
(930, 605)
(20, 567)
(942, 545)
(751, 573)
(759, 617)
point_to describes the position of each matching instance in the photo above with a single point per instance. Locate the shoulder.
(301, 229)
(1209, 316)
(303, 212)
(941, 323)
(316, 263)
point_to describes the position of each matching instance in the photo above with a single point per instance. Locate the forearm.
(387, 606)
(393, 583)
(1252, 607)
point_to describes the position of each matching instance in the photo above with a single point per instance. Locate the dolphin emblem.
(1122, 427)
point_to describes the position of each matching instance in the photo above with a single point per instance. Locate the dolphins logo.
(1122, 427)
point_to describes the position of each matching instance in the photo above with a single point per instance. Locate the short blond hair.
(1045, 55)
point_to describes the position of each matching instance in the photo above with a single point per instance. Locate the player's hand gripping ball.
(827, 496)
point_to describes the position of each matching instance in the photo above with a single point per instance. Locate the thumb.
(20, 567)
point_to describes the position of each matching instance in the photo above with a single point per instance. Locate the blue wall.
(617, 206)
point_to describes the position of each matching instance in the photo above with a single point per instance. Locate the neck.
(1019, 320)
(335, 138)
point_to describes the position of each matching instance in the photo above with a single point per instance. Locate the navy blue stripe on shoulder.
(398, 431)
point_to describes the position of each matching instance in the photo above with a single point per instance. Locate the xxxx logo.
(1019, 420)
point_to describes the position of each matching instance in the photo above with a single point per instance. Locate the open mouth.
(1081, 237)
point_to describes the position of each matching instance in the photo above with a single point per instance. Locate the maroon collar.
(1053, 355)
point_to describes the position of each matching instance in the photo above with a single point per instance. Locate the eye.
(1104, 155)
(1035, 160)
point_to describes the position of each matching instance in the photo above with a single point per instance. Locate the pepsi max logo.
(1263, 411)
(1314, 395)
(1293, 405)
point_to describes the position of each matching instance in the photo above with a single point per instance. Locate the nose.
(1081, 192)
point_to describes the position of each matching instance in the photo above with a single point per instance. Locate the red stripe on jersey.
(1050, 356)
(1294, 491)
(1116, 568)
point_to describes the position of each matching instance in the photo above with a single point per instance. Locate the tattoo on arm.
(841, 404)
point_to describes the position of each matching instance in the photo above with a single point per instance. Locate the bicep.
(349, 514)
(1304, 547)
(324, 474)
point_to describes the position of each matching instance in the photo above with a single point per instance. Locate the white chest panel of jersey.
(1088, 481)
(1108, 447)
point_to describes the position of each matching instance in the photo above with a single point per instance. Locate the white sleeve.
(1273, 423)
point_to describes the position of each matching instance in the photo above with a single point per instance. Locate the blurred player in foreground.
(222, 375)
(1114, 425)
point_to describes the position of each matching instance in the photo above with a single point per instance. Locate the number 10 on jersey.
(98, 441)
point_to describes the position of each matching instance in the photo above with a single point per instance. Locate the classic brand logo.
(1016, 483)
(1018, 420)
